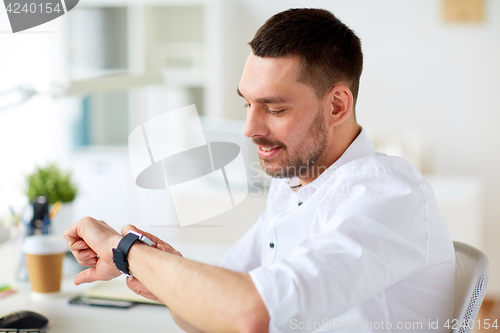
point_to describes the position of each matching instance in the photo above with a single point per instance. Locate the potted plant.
(51, 182)
(57, 186)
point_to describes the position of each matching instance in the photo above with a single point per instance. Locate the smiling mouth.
(266, 153)
(267, 149)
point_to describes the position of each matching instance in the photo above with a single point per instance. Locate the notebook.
(116, 290)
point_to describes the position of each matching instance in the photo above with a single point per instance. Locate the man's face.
(284, 117)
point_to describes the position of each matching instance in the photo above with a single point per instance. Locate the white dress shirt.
(362, 248)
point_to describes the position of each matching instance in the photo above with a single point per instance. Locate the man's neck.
(334, 151)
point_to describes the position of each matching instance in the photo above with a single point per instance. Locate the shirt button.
(300, 203)
(271, 245)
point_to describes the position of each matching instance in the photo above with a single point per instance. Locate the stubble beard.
(299, 162)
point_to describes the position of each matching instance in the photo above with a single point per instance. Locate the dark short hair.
(329, 51)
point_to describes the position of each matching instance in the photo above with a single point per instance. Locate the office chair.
(471, 279)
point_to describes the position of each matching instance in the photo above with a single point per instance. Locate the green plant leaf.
(51, 182)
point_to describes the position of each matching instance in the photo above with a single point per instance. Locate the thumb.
(129, 227)
(86, 276)
(165, 246)
(169, 250)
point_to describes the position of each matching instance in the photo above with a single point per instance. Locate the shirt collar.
(360, 147)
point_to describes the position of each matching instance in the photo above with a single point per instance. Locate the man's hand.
(135, 285)
(91, 241)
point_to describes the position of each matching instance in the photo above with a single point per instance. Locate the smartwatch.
(121, 252)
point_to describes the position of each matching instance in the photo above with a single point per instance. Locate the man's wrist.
(123, 247)
(115, 241)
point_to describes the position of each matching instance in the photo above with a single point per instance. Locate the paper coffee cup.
(44, 255)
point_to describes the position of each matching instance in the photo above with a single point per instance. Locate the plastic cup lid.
(44, 244)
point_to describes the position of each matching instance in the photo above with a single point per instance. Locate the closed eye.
(275, 112)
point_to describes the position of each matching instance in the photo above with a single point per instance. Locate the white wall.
(437, 80)
(35, 131)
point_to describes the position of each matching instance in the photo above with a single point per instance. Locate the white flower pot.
(63, 220)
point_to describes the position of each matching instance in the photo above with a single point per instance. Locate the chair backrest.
(471, 278)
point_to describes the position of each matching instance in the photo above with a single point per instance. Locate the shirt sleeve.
(374, 235)
(245, 254)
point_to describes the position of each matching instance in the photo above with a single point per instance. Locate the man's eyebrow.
(272, 100)
(266, 100)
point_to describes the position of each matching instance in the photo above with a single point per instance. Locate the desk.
(66, 318)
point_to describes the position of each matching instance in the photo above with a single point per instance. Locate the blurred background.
(429, 93)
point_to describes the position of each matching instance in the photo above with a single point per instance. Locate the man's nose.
(256, 123)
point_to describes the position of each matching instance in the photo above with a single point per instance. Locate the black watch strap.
(121, 252)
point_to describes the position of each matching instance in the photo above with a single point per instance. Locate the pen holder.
(40, 222)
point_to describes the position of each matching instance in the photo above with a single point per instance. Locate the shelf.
(130, 3)
(167, 38)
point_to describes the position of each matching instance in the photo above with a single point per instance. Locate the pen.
(15, 217)
(55, 210)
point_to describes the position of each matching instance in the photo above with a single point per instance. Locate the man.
(350, 239)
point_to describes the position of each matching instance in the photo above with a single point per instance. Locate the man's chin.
(275, 171)
(288, 171)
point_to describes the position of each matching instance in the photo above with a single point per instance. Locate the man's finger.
(133, 283)
(137, 287)
(158, 242)
(169, 250)
(89, 258)
(70, 235)
(129, 227)
(84, 255)
(86, 276)
(92, 262)
(78, 245)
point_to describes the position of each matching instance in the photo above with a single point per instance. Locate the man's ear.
(339, 103)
